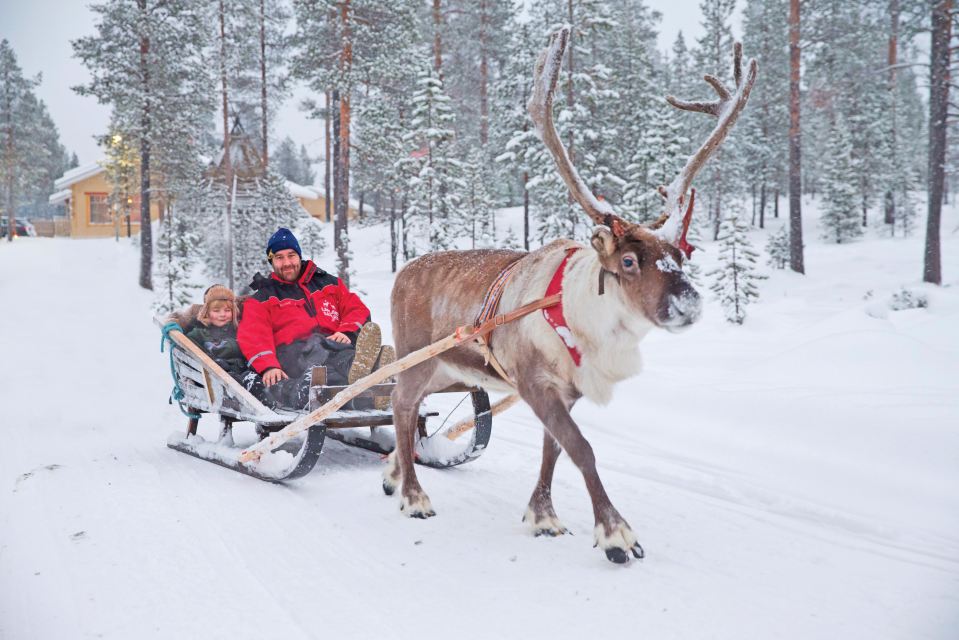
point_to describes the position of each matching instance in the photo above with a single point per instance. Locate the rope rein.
(177, 393)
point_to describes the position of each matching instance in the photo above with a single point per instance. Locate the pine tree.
(435, 185)
(478, 206)
(147, 62)
(657, 160)
(840, 218)
(735, 279)
(766, 121)
(777, 246)
(21, 153)
(586, 102)
(177, 247)
(290, 164)
(307, 175)
(512, 130)
(122, 174)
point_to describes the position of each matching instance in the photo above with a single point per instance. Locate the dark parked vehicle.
(20, 228)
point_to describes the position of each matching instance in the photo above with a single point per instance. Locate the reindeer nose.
(683, 310)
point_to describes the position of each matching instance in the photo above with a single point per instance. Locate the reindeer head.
(646, 260)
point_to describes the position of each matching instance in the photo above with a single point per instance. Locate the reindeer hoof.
(388, 488)
(544, 525)
(619, 543)
(418, 507)
(617, 555)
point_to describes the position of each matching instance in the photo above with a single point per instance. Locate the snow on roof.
(77, 174)
(59, 196)
(301, 191)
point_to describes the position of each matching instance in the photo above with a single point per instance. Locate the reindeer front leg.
(540, 514)
(612, 534)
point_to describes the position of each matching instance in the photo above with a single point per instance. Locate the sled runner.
(201, 386)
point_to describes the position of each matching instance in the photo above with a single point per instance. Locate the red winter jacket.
(282, 312)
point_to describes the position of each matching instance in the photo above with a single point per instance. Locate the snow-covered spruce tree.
(586, 125)
(477, 206)
(286, 162)
(48, 162)
(435, 187)
(658, 159)
(20, 150)
(777, 246)
(720, 181)
(177, 249)
(381, 159)
(512, 131)
(121, 163)
(840, 221)
(735, 278)
(146, 60)
(766, 121)
(474, 50)
(682, 80)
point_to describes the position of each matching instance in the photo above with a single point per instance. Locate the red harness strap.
(554, 314)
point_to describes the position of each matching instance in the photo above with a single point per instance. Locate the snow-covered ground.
(796, 477)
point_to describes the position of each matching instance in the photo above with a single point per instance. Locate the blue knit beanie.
(282, 239)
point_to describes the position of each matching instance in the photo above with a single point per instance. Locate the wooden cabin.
(84, 192)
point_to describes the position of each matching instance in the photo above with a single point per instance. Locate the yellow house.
(84, 191)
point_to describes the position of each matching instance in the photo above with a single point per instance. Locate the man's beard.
(289, 273)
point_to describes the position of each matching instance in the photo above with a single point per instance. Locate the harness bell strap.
(488, 311)
(554, 313)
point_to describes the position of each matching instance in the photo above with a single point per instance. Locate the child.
(215, 331)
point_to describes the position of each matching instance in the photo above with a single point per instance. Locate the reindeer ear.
(603, 241)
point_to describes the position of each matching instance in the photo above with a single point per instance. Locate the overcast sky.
(41, 30)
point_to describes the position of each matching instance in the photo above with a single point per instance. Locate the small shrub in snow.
(735, 278)
(908, 299)
(898, 301)
(777, 246)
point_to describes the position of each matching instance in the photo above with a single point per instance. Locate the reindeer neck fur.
(607, 330)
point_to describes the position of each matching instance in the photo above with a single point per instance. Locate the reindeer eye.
(629, 262)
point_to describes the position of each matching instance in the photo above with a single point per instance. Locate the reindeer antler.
(727, 109)
(540, 107)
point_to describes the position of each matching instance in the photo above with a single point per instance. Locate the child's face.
(221, 315)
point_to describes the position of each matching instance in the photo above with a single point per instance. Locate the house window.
(99, 209)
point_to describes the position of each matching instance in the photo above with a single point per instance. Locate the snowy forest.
(423, 108)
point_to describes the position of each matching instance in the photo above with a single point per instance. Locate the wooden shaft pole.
(466, 424)
(299, 426)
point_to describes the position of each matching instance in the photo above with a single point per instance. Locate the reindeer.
(628, 281)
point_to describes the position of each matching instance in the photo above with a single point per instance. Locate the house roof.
(301, 191)
(60, 196)
(77, 174)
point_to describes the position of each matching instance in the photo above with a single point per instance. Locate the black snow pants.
(298, 359)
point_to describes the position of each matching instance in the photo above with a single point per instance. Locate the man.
(301, 317)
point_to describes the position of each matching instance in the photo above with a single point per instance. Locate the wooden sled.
(201, 386)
